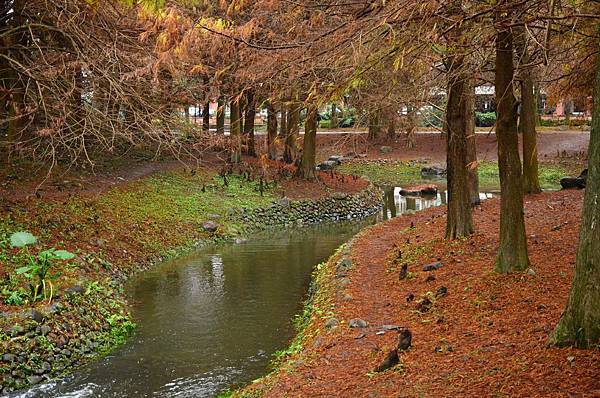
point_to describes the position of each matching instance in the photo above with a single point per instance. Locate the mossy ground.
(399, 173)
(113, 234)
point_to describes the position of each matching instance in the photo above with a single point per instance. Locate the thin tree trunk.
(512, 253)
(307, 166)
(527, 119)
(579, 324)
(391, 127)
(459, 221)
(283, 125)
(411, 129)
(16, 108)
(293, 129)
(220, 116)
(334, 119)
(471, 144)
(374, 125)
(235, 132)
(206, 118)
(271, 131)
(249, 122)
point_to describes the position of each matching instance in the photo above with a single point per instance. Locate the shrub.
(485, 119)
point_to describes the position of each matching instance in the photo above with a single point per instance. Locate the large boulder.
(386, 149)
(574, 182)
(327, 165)
(433, 172)
(336, 158)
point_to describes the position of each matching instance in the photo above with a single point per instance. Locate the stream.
(214, 318)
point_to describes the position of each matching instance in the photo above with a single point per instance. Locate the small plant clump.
(37, 270)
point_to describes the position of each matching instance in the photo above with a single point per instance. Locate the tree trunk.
(206, 118)
(527, 119)
(411, 128)
(391, 127)
(307, 164)
(249, 123)
(459, 221)
(283, 125)
(512, 253)
(293, 129)
(220, 116)
(471, 143)
(271, 131)
(333, 121)
(235, 132)
(579, 324)
(374, 125)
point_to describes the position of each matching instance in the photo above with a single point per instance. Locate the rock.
(404, 340)
(343, 267)
(389, 327)
(574, 182)
(34, 379)
(357, 323)
(433, 172)
(432, 266)
(8, 357)
(386, 149)
(75, 289)
(239, 241)
(327, 165)
(530, 272)
(45, 329)
(419, 190)
(336, 158)
(339, 195)
(209, 226)
(331, 323)
(410, 297)
(35, 315)
(430, 278)
(284, 202)
(390, 361)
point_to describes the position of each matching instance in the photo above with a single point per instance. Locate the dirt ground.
(486, 337)
(24, 181)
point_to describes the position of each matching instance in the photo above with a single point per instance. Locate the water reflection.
(210, 319)
(395, 204)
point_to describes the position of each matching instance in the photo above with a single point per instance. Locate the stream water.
(215, 317)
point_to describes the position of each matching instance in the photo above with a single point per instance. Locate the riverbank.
(473, 331)
(120, 231)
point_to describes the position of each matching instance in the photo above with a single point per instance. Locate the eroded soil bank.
(486, 336)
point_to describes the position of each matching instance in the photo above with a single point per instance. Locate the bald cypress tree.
(579, 324)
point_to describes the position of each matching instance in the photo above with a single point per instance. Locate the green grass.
(409, 173)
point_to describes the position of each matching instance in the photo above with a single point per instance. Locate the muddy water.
(214, 318)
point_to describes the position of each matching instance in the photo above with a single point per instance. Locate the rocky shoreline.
(90, 319)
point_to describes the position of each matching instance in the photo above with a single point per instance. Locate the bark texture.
(249, 123)
(220, 116)
(236, 139)
(307, 164)
(206, 118)
(579, 324)
(459, 221)
(471, 144)
(512, 253)
(271, 131)
(293, 130)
